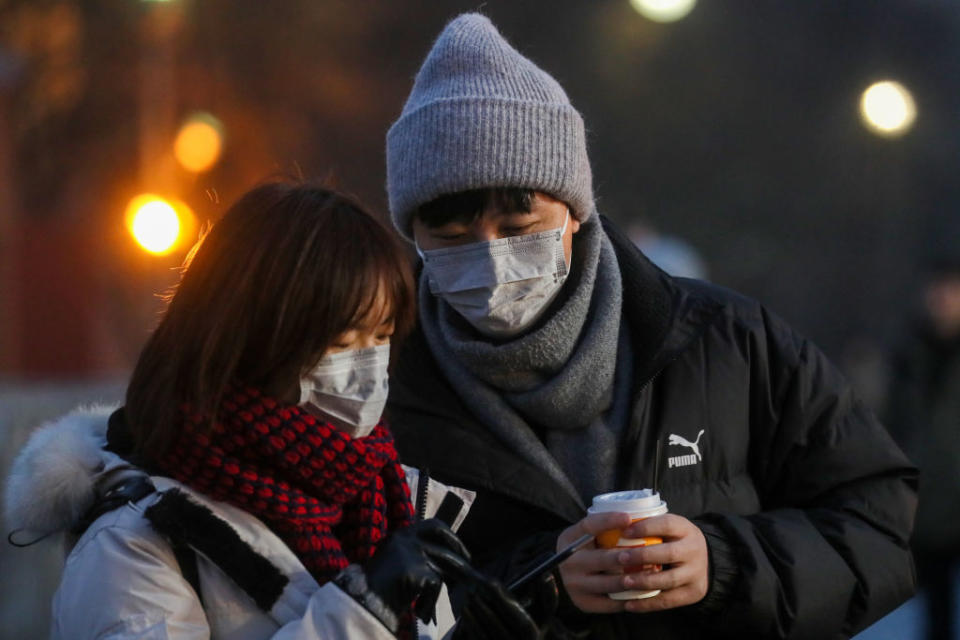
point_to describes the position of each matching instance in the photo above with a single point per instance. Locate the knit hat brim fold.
(457, 145)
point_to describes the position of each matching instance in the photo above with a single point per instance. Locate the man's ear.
(574, 224)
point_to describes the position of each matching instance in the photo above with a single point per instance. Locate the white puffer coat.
(122, 580)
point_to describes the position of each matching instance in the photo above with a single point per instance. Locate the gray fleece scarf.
(568, 379)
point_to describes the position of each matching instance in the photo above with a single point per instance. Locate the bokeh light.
(199, 142)
(155, 223)
(663, 10)
(888, 108)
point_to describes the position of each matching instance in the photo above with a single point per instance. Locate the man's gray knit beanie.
(482, 115)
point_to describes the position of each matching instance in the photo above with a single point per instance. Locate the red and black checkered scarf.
(331, 498)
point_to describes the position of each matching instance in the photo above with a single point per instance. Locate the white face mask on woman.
(348, 389)
(501, 287)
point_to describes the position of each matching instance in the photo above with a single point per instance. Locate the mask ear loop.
(423, 260)
(563, 251)
(22, 545)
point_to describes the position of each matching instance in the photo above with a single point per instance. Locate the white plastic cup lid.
(637, 500)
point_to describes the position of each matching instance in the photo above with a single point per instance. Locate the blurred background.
(804, 153)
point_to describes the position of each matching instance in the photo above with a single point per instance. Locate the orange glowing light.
(199, 143)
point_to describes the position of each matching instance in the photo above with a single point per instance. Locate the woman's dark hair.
(286, 270)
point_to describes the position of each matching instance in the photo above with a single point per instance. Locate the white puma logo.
(683, 442)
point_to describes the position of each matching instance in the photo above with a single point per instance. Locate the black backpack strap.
(194, 528)
(187, 560)
(133, 489)
(191, 528)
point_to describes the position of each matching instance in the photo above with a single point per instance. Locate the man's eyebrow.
(447, 223)
(435, 223)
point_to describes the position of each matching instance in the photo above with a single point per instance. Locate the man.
(554, 363)
(924, 416)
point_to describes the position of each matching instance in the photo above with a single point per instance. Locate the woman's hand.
(492, 613)
(405, 570)
(489, 611)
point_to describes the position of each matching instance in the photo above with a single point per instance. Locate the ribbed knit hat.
(482, 115)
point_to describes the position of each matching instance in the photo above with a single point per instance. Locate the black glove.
(489, 612)
(540, 598)
(403, 571)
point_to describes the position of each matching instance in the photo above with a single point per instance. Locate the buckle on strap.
(130, 489)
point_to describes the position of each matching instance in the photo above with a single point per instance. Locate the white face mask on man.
(348, 389)
(503, 286)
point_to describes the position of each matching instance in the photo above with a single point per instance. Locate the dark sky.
(736, 128)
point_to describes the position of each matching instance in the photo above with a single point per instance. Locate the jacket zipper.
(656, 463)
(423, 481)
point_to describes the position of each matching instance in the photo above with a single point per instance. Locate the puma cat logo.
(683, 461)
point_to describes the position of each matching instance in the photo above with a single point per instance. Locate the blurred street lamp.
(663, 10)
(158, 225)
(199, 142)
(887, 109)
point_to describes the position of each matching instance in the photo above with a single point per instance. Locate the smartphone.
(548, 564)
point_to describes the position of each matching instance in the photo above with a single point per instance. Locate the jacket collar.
(664, 317)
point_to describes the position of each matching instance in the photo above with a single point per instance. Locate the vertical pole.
(159, 28)
(10, 253)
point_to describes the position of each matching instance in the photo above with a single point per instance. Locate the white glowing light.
(156, 226)
(663, 10)
(887, 108)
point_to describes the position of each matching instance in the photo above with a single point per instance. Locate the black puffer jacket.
(805, 501)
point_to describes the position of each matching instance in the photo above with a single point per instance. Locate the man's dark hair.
(465, 206)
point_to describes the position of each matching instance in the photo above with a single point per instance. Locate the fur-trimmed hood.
(55, 478)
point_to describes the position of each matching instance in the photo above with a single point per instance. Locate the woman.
(248, 478)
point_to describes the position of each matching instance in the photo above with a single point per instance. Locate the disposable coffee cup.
(638, 504)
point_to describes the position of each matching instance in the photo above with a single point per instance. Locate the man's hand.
(683, 554)
(588, 574)
(584, 573)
